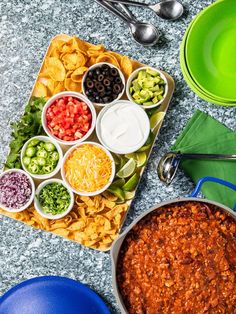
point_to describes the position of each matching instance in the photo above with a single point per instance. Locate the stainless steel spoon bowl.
(143, 33)
(168, 164)
(168, 9)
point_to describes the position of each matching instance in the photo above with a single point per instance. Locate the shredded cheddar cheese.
(88, 168)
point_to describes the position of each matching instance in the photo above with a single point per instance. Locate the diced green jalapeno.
(30, 151)
(49, 146)
(26, 160)
(33, 168)
(42, 153)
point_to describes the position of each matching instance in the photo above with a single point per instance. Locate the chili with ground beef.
(180, 259)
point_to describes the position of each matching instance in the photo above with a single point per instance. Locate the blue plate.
(52, 295)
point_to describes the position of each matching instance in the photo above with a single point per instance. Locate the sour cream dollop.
(123, 127)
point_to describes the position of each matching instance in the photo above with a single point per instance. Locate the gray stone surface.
(26, 28)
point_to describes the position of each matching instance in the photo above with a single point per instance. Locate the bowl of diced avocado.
(147, 87)
(41, 157)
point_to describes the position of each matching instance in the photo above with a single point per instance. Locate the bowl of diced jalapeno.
(41, 157)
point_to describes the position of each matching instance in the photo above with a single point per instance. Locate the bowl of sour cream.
(122, 127)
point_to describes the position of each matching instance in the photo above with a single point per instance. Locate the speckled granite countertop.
(26, 28)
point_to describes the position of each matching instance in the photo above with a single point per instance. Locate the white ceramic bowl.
(75, 95)
(112, 66)
(59, 150)
(113, 170)
(142, 115)
(17, 210)
(38, 206)
(134, 75)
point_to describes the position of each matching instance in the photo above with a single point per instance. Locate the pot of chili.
(178, 257)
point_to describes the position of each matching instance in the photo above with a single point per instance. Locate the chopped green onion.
(54, 198)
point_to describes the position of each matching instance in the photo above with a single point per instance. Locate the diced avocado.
(136, 95)
(148, 103)
(148, 84)
(155, 100)
(152, 72)
(144, 93)
(142, 75)
(147, 88)
(155, 88)
(160, 92)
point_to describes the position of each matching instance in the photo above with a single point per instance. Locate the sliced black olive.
(92, 99)
(114, 72)
(118, 80)
(96, 84)
(110, 78)
(105, 67)
(100, 77)
(97, 99)
(102, 94)
(90, 74)
(107, 99)
(100, 88)
(106, 82)
(116, 88)
(89, 84)
(98, 71)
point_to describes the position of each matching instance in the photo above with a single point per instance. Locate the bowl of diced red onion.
(17, 190)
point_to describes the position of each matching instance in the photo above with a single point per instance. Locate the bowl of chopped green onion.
(41, 157)
(53, 199)
(147, 87)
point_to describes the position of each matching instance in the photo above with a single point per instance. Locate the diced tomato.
(69, 118)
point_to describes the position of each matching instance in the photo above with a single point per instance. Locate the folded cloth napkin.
(203, 134)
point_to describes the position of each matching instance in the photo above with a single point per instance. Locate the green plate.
(189, 80)
(210, 50)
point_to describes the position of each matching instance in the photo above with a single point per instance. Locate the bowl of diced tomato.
(69, 118)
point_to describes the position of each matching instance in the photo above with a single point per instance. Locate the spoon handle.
(131, 2)
(114, 10)
(206, 156)
(127, 11)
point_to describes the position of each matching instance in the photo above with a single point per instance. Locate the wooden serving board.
(94, 222)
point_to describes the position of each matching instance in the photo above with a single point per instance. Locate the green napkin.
(203, 134)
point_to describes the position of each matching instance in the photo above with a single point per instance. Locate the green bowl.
(210, 50)
(189, 80)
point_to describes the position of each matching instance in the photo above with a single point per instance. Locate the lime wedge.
(129, 195)
(140, 158)
(127, 170)
(116, 159)
(131, 183)
(148, 143)
(156, 118)
(117, 192)
(118, 183)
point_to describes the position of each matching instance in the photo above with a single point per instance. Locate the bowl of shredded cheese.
(88, 168)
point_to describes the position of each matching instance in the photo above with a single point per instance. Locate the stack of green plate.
(208, 53)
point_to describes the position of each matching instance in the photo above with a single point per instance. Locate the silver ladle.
(168, 9)
(143, 33)
(169, 163)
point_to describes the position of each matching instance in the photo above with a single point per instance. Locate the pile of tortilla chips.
(67, 60)
(94, 221)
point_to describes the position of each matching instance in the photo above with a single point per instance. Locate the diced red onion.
(15, 189)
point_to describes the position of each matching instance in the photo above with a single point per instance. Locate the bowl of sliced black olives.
(103, 84)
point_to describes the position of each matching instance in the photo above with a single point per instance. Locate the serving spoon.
(168, 164)
(145, 34)
(168, 9)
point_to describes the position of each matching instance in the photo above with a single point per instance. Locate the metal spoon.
(143, 33)
(169, 163)
(168, 10)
